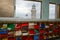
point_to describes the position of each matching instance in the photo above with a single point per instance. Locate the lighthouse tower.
(33, 12)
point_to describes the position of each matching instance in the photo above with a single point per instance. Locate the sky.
(24, 7)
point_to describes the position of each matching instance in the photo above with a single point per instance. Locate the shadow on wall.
(6, 8)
